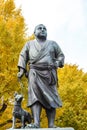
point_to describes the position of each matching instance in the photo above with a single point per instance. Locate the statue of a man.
(43, 57)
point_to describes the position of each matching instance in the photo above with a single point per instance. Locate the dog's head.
(18, 97)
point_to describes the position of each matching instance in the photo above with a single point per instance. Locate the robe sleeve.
(24, 57)
(59, 56)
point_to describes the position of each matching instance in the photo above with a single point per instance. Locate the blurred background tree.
(12, 38)
(72, 81)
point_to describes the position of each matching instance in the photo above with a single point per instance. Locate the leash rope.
(21, 85)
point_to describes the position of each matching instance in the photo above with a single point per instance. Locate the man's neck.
(41, 41)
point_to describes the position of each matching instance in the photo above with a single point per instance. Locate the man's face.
(40, 31)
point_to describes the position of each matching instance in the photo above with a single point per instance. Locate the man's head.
(40, 32)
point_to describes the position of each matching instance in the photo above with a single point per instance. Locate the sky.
(66, 22)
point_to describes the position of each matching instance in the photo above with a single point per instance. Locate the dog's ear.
(15, 94)
(22, 95)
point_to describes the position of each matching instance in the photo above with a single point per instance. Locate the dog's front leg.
(13, 120)
(22, 121)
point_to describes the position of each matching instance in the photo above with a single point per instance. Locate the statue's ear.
(34, 33)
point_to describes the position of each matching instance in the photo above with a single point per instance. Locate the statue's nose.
(42, 29)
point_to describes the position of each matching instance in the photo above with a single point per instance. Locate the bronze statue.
(43, 57)
(19, 113)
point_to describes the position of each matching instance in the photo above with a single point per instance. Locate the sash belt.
(42, 66)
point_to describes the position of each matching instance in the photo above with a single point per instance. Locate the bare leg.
(51, 117)
(36, 111)
(22, 121)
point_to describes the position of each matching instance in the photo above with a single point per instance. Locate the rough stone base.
(65, 128)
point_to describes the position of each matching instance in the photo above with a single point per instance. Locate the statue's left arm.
(59, 56)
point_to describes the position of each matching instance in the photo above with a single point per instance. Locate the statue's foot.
(32, 126)
(54, 126)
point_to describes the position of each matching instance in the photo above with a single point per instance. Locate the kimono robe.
(42, 75)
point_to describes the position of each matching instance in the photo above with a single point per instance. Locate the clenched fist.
(20, 73)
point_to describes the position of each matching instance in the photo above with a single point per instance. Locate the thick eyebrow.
(42, 27)
(45, 28)
(39, 27)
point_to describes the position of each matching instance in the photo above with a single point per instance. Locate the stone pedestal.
(65, 128)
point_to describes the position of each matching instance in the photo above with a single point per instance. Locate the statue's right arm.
(23, 60)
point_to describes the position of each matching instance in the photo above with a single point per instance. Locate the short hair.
(37, 26)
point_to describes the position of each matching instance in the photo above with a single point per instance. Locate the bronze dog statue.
(19, 113)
